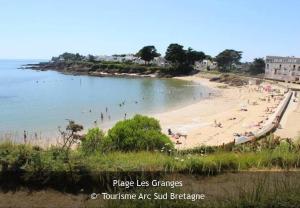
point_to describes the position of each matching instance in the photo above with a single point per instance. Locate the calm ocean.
(38, 101)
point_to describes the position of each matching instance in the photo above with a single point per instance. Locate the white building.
(159, 61)
(117, 58)
(205, 65)
(282, 68)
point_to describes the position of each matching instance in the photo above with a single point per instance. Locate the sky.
(35, 29)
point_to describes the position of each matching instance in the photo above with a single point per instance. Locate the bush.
(138, 133)
(92, 141)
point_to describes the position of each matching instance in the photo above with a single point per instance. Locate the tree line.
(182, 60)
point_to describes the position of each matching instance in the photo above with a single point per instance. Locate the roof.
(283, 59)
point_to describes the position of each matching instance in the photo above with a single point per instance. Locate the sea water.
(41, 101)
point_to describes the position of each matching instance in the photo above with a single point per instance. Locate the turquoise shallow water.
(38, 101)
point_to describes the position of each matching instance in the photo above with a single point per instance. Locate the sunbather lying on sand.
(177, 135)
(178, 142)
(181, 135)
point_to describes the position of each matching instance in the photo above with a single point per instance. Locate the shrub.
(138, 133)
(92, 141)
(70, 136)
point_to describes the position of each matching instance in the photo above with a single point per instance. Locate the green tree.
(92, 141)
(68, 57)
(208, 57)
(182, 60)
(138, 133)
(227, 58)
(148, 53)
(257, 66)
(192, 56)
(175, 54)
(91, 58)
(70, 136)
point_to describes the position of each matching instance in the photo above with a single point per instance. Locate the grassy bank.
(24, 165)
(134, 145)
(28, 158)
(136, 149)
(44, 169)
(219, 172)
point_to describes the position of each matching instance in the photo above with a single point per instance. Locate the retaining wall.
(272, 122)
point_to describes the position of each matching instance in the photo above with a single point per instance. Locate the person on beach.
(106, 109)
(25, 137)
(102, 117)
(125, 116)
(218, 124)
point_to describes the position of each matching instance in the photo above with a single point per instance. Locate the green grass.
(33, 166)
(29, 158)
(36, 168)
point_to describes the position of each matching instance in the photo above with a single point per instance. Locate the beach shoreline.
(198, 120)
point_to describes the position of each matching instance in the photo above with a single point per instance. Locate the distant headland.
(147, 62)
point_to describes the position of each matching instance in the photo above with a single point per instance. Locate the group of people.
(102, 116)
(176, 136)
(25, 135)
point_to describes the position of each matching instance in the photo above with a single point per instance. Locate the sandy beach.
(198, 121)
(215, 120)
(289, 125)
